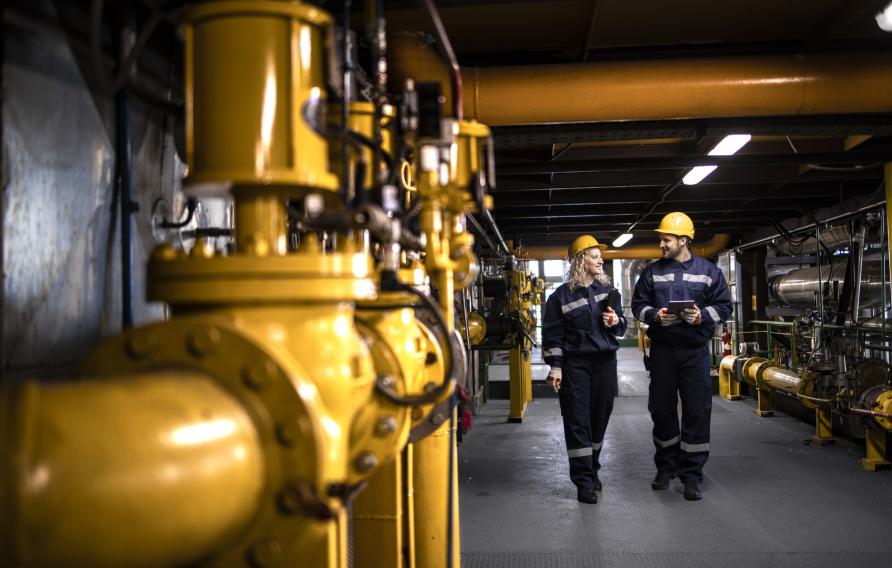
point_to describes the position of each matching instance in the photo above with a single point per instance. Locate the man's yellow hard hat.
(582, 243)
(677, 223)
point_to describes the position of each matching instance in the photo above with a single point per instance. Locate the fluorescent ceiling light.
(622, 239)
(697, 174)
(884, 19)
(729, 146)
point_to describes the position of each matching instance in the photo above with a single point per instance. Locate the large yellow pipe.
(159, 469)
(773, 85)
(706, 249)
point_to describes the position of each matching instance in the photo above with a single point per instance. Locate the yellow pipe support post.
(127, 470)
(729, 387)
(875, 459)
(823, 427)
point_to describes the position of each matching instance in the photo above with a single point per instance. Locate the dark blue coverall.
(575, 342)
(679, 359)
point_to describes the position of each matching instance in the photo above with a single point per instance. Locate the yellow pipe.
(772, 85)
(431, 486)
(156, 469)
(260, 223)
(706, 249)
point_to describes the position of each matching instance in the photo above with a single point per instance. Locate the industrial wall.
(60, 209)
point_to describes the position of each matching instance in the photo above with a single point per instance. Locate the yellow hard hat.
(677, 223)
(582, 243)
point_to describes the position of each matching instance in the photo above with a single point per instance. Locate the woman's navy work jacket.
(572, 322)
(669, 280)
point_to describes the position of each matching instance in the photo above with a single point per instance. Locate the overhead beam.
(679, 162)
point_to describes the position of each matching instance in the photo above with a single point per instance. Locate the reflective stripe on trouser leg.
(663, 406)
(695, 387)
(603, 372)
(574, 398)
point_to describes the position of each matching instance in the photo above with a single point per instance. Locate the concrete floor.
(769, 500)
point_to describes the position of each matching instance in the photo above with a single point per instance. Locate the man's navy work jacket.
(573, 324)
(669, 280)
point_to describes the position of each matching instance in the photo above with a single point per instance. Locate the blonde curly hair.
(575, 275)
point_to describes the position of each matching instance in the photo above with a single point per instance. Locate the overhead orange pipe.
(771, 85)
(707, 249)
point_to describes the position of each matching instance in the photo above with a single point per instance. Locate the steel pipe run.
(707, 249)
(775, 85)
(146, 469)
(798, 287)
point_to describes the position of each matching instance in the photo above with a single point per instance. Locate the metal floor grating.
(769, 499)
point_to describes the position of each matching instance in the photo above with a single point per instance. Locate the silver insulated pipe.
(798, 287)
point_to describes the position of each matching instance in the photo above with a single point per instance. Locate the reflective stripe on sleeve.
(553, 352)
(667, 443)
(713, 313)
(573, 305)
(691, 448)
(643, 311)
(600, 297)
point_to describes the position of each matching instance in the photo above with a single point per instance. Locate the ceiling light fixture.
(884, 19)
(729, 146)
(622, 239)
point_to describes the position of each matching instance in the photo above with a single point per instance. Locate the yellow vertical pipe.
(261, 220)
(431, 492)
(378, 519)
(876, 450)
(408, 458)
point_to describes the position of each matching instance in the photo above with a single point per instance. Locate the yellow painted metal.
(250, 69)
(477, 327)
(729, 387)
(706, 249)
(771, 85)
(520, 378)
(823, 427)
(362, 120)
(127, 470)
(431, 473)
(260, 222)
(378, 520)
(883, 406)
(876, 450)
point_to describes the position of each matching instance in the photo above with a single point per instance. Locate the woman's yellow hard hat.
(582, 243)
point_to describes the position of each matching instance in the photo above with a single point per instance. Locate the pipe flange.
(286, 423)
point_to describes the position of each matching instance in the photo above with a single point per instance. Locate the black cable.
(191, 206)
(390, 283)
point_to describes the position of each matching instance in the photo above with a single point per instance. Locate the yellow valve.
(254, 74)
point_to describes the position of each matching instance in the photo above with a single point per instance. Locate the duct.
(831, 237)
(707, 249)
(798, 287)
(778, 85)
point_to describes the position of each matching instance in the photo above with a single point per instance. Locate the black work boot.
(661, 481)
(692, 490)
(587, 496)
(597, 484)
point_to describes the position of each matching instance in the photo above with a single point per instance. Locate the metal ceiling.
(558, 180)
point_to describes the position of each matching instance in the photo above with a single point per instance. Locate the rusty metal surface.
(61, 263)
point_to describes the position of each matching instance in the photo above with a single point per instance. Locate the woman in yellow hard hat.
(583, 319)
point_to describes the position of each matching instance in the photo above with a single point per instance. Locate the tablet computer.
(676, 306)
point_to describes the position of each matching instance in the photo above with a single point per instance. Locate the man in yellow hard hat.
(682, 298)
(583, 319)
